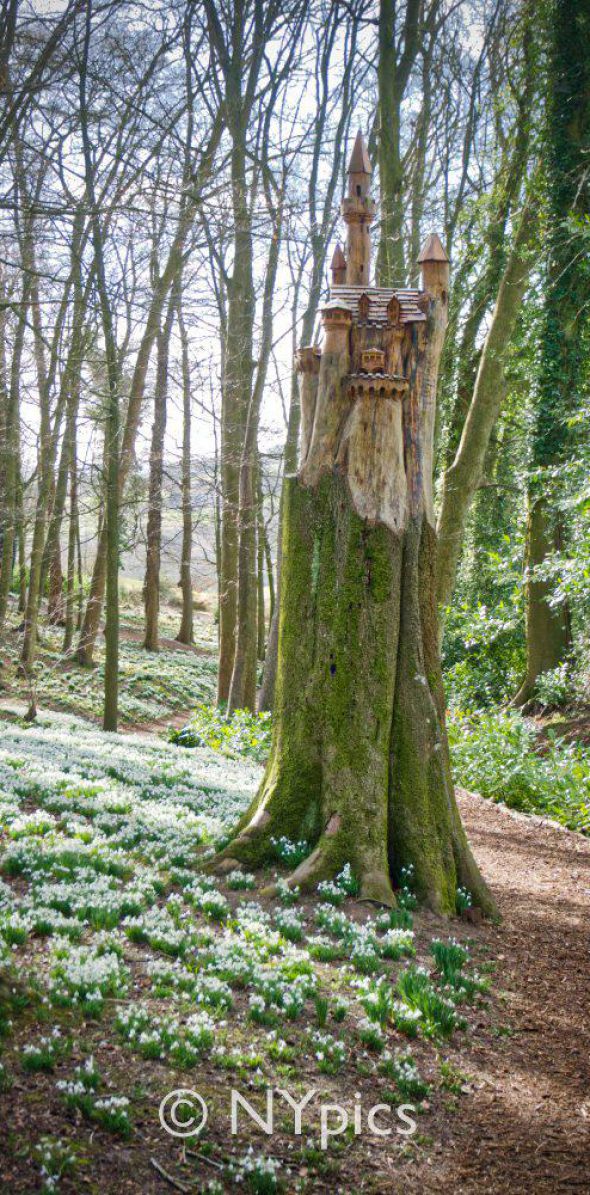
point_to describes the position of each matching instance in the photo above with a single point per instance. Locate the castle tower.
(338, 267)
(358, 210)
(434, 267)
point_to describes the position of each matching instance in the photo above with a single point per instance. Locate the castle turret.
(338, 267)
(358, 210)
(435, 267)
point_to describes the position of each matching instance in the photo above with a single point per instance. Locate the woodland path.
(525, 1124)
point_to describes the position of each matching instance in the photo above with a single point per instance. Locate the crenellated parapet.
(375, 385)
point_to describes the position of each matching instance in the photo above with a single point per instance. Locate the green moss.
(359, 760)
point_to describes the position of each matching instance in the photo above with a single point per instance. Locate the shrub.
(239, 734)
(498, 755)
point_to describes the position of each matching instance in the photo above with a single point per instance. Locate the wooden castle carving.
(354, 388)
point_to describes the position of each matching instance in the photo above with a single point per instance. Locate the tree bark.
(10, 455)
(563, 366)
(398, 50)
(260, 547)
(463, 477)
(111, 668)
(236, 403)
(186, 632)
(548, 629)
(72, 544)
(49, 430)
(242, 693)
(151, 585)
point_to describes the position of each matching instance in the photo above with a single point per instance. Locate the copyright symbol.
(183, 1113)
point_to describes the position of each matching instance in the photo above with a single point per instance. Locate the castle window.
(358, 190)
(393, 310)
(373, 360)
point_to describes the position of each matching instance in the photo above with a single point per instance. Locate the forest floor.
(156, 689)
(506, 1104)
(104, 904)
(526, 1124)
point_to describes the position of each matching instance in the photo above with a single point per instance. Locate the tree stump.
(359, 764)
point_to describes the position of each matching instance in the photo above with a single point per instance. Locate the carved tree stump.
(359, 763)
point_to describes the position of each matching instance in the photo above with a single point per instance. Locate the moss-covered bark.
(548, 630)
(359, 763)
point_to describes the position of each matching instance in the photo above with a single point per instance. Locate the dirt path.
(525, 1126)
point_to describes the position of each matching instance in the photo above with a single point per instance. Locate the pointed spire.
(338, 266)
(432, 249)
(359, 158)
(338, 259)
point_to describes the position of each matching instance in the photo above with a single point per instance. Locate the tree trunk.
(151, 585)
(359, 764)
(48, 439)
(242, 691)
(22, 548)
(55, 598)
(463, 477)
(260, 536)
(266, 696)
(186, 632)
(49, 427)
(112, 495)
(548, 630)
(236, 404)
(563, 359)
(9, 450)
(72, 536)
(92, 614)
(391, 258)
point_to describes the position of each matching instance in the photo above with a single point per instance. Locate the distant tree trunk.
(3, 401)
(186, 632)
(462, 479)
(260, 535)
(80, 563)
(93, 611)
(242, 692)
(22, 548)
(563, 359)
(71, 384)
(398, 50)
(50, 421)
(10, 456)
(44, 469)
(239, 39)
(55, 596)
(92, 614)
(495, 248)
(236, 402)
(111, 668)
(548, 630)
(72, 536)
(269, 573)
(418, 184)
(266, 696)
(151, 585)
